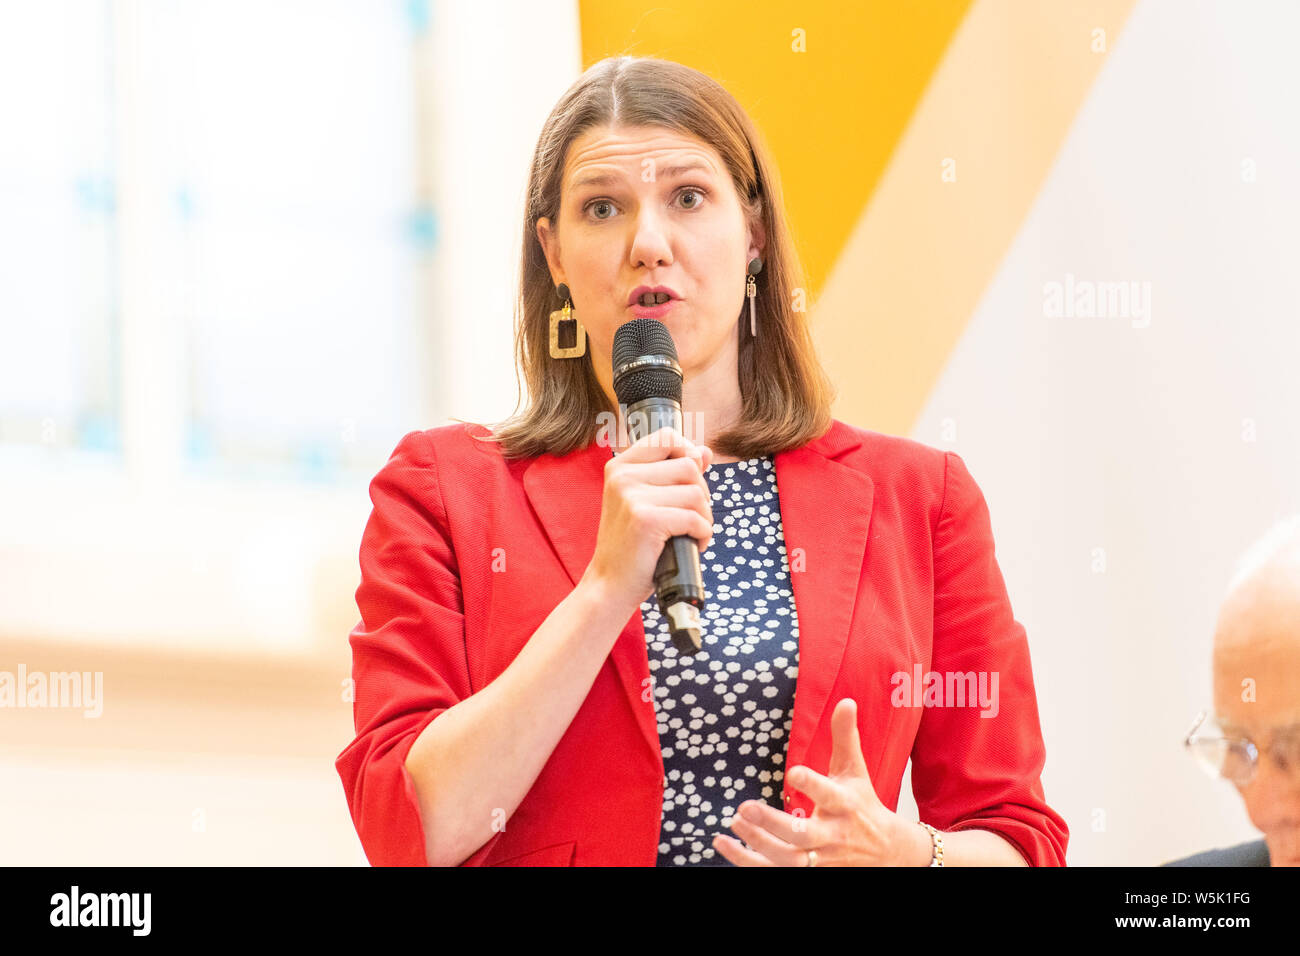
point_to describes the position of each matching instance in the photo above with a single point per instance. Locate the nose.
(1273, 797)
(651, 245)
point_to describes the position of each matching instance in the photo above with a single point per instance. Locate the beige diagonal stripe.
(1000, 105)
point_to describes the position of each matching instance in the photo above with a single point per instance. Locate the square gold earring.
(568, 337)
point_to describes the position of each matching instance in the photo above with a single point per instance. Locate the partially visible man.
(1253, 737)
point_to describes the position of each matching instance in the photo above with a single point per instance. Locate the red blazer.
(898, 572)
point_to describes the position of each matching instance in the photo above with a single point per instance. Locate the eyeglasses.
(1236, 758)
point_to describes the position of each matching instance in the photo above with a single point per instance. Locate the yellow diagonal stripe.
(831, 114)
(1000, 105)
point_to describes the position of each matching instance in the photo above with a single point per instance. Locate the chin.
(1283, 851)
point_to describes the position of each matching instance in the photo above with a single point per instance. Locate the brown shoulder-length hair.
(786, 395)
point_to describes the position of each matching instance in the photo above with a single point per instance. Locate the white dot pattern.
(724, 714)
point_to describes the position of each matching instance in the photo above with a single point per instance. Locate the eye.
(1286, 751)
(598, 202)
(693, 189)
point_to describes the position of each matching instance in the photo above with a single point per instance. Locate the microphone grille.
(634, 339)
(642, 337)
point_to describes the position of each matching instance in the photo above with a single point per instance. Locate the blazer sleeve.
(408, 651)
(971, 771)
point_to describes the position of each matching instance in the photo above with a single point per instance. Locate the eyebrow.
(1236, 730)
(668, 172)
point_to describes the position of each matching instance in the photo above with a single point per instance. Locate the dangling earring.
(751, 291)
(567, 330)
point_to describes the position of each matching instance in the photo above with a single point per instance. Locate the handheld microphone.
(648, 383)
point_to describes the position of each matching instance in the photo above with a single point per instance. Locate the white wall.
(216, 746)
(499, 79)
(1098, 433)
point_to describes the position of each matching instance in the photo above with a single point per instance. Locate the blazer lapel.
(825, 515)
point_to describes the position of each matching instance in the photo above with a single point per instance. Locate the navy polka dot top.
(724, 714)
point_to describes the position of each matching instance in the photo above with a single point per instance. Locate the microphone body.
(648, 382)
(679, 584)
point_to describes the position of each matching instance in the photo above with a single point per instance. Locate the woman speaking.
(518, 699)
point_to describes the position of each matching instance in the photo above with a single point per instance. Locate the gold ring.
(812, 858)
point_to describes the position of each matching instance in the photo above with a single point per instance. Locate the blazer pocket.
(559, 854)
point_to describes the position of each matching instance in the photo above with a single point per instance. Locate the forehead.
(1257, 682)
(605, 152)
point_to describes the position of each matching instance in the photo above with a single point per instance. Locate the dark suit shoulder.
(1254, 853)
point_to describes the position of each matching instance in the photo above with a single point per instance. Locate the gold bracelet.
(936, 845)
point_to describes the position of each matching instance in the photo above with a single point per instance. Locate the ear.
(757, 238)
(550, 243)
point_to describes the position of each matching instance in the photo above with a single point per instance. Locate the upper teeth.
(654, 298)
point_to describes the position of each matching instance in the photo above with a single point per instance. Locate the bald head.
(1262, 604)
(1257, 678)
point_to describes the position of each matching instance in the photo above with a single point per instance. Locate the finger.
(662, 443)
(672, 471)
(679, 446)
(675, 521)
(795, 829)
(677, 450)
(687, 497)
(678, 511)
(690, 496)
(846, 744)
(768, 844)
(733, 850)
(828, 795)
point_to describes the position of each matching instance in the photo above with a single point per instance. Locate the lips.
(652, 311)
(661, 295)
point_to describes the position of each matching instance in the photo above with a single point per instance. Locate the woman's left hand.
(849, 825)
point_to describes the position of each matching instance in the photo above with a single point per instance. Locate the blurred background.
(245, 247)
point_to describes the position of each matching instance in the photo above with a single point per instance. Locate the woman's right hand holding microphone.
(654, 489)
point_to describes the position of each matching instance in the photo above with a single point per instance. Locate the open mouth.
(653, 305)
